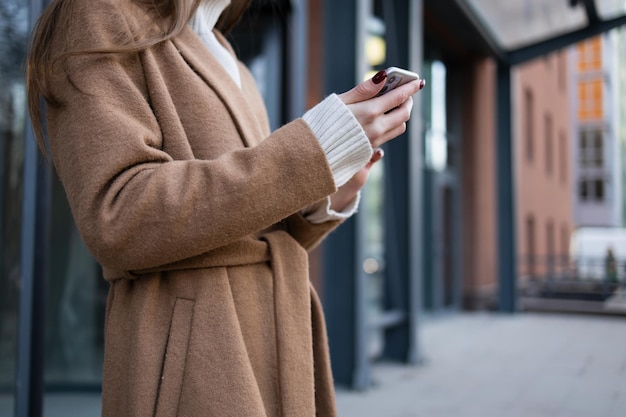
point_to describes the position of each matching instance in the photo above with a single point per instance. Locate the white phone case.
(397, 77)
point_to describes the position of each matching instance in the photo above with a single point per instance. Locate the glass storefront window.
(76, 298)
(437, 145)
(372, 208)
(264, 55)
(13, 38)
(372, 201)
(76, 294)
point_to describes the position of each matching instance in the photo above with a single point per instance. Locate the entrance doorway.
(442, 214)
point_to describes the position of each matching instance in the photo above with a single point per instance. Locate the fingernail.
(422, 83)
(377, 156)
(379, 77)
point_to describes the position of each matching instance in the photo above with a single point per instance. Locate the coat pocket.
(173, 372)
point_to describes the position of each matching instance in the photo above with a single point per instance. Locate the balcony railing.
(563, 282)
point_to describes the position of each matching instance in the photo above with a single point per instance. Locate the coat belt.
(248, 251)
(294, 335)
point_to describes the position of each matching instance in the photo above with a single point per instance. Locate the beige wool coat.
(191, 206)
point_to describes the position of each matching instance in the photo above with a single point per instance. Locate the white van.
(589, 248)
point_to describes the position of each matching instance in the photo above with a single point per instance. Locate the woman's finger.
(378, 130)
(397, 97)
(383, 118)
(376, 156)
(365, 90)
(391, 134)
(369, 110)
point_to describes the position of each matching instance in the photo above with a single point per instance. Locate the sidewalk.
(483, 365)
(524, 365)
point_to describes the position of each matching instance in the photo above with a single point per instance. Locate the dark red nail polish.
(379, 77)
(380, 153)
(422, 84)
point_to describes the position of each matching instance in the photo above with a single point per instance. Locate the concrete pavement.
(524, 365)
(483, 365)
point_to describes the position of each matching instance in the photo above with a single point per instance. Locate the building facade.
(542, 136)
(620, 67)
(596, 116)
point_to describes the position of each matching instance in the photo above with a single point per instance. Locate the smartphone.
(397, 77)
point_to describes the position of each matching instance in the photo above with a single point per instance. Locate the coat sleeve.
(308, 234)
(135, 206)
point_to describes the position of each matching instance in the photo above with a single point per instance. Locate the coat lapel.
(200, 59)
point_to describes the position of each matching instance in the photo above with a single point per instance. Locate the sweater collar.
(208, 14)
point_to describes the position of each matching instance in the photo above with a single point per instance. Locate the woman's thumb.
(365, 90)
(376, 156)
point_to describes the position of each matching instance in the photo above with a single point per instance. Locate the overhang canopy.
(517, 30)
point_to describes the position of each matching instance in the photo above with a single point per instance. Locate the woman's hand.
(382, 118)
(346, 193)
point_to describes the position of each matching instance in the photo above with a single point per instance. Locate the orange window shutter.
(582, 100)
(596, 48)
(597, 99)
(582, 65)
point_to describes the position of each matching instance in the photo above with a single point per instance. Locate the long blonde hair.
(55, 19)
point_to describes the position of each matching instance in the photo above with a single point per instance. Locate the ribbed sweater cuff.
(322, 213)
(343, 140)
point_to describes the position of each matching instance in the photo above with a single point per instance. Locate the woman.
(200, 217)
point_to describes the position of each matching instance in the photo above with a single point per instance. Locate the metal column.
(403, 191)
(505, 173)
(31, 336)
(343, 290)
(35, 226)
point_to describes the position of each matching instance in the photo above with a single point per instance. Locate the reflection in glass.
(13, 35)
(263, 55)
(372, 208)
(75, 306)
(436, 136)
